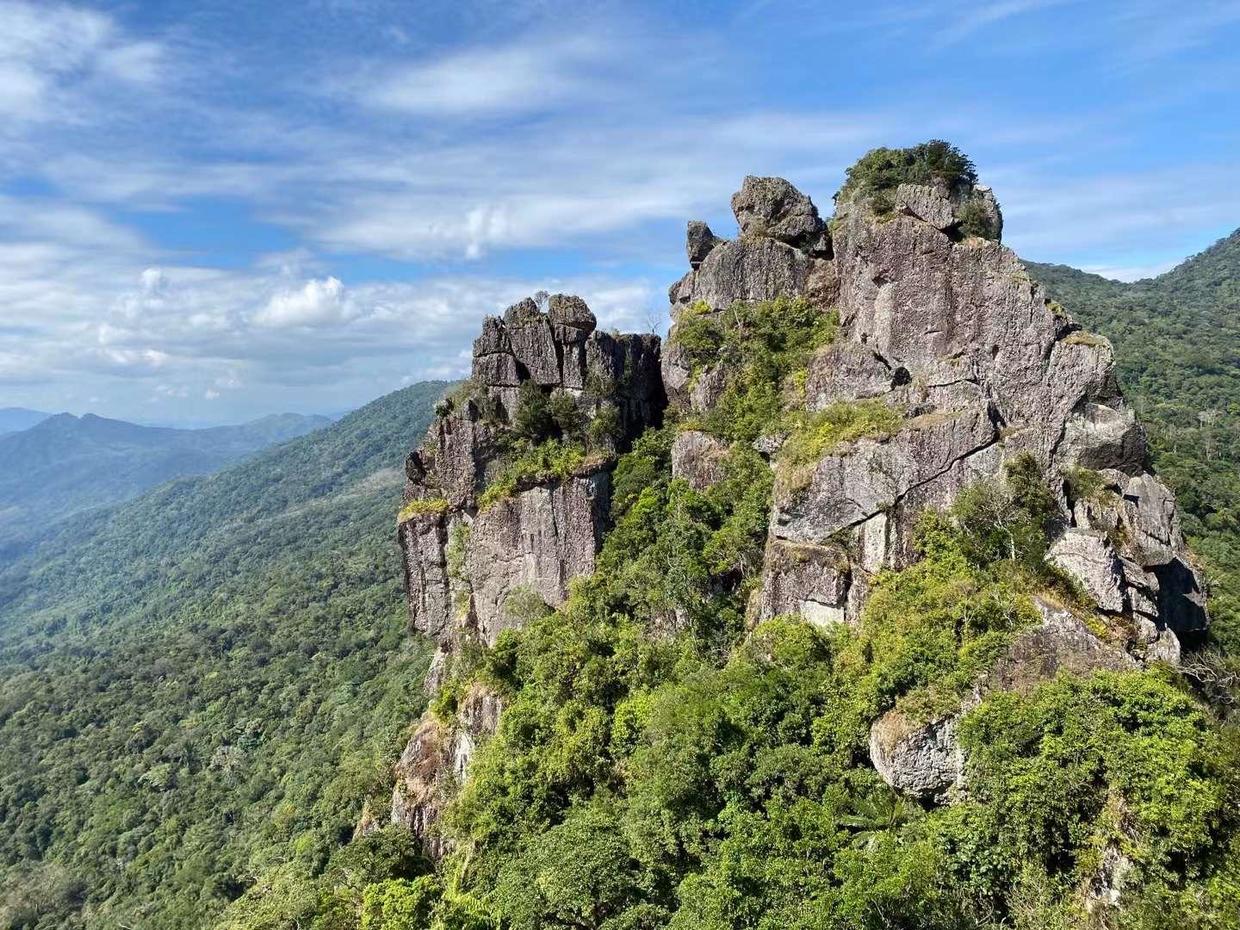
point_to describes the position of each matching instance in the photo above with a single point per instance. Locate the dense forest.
(199, 689)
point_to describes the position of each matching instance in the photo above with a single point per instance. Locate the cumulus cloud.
(313, 304)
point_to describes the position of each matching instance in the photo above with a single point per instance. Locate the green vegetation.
(880, 171)
(658, 765)
(528, 464)
(814, 433)
(68, 465)
(200, 688)
(762, 351)
(976, 220)
(553, 436)
(1177, 348)
(420, 507)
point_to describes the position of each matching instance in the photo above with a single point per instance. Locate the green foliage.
(976, 220)
(1007, 520)
(422, 506)
(565, 414)
(1126, 761)
(880, 171)
(189, 730)
(762, 350)
(814, 433)
(533, 420)
(531, 464)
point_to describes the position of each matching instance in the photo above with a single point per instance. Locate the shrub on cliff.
(880, 171)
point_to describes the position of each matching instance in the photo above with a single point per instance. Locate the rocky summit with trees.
(862, 600)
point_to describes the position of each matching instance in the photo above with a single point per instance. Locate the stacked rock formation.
(465, 564)
(950, 330)
(939, 321)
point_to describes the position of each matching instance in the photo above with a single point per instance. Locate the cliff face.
(465, 556)
(477, 563)
(950, 331)
(939, 327)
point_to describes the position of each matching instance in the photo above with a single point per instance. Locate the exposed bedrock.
(941, 322)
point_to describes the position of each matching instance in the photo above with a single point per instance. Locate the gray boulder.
(745, 270)
(773, 208)
(699, 241)
(922, 760)
(1090, 558)
(809, 580)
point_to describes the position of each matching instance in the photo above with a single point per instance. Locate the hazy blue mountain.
(16, 419)
(64, 464)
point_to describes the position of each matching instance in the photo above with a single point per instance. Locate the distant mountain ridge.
(64, 464)
(15, 419)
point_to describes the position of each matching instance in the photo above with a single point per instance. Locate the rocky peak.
(942, 325)
(774, 209)
(932, 345)
(507, 499)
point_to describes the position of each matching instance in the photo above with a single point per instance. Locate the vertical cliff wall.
(507, 500)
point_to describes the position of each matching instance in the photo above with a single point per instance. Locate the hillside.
(1177, 344)
(198, 688)
(64, 465)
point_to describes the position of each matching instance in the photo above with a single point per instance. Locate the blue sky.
(214, 210)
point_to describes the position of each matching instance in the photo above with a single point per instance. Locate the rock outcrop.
(463, 560)
(938, 323)
(941, 323)
(949, 330)
(474, 564)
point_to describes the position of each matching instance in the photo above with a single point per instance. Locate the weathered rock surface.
(938, 321)
(461, 562)
(1091, 559)
(921, 760)
(536, 541)
(804, 579)
(698, 458)
(464, 563)
(435, 761)
(699, 241)
(947, 328)
(773, 208)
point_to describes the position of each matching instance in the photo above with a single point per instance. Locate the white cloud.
(517, 78)
(48, 47)
(314, 304)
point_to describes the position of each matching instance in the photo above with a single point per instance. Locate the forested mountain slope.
(199, 688)
(1177, 344)
(65, 464)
